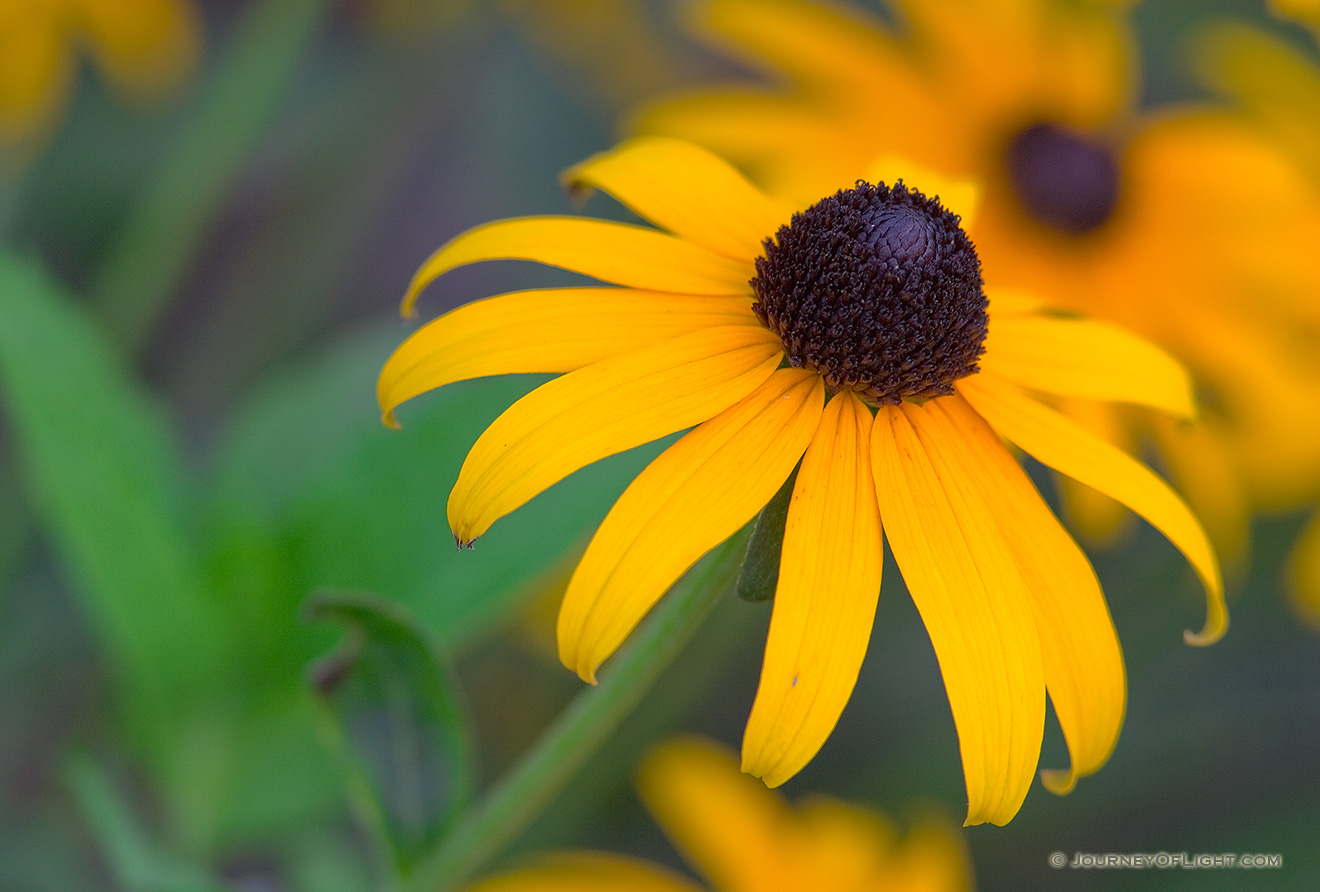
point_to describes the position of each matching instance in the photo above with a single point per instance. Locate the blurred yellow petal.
(550, 330)
(1055, 440)
(1304, 573)
(958, 195)
(1204, 469)
(933, 858)
(588, 872)
(612, 252)
(722, 118)
(1006, 302)
(1087, 359)
(1096, 517)
(36, 76)
(973, 600)
(686, 190)
(727, 825)
(829, 581)
(846, 843)
(602, 409)
(1079, 647)
(145, 49)
(696, 494)
(817, 44)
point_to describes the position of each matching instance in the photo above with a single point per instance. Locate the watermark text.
(1164, 861)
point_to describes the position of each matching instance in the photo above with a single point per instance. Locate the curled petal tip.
(1059, 781)
(387, 418)
(408, 307)
(1216, 624)
(1207, 636)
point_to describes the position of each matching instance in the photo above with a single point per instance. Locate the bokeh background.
(224, 586)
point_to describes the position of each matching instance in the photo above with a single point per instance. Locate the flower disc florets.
(879, 290)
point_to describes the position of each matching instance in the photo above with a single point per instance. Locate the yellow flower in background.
(143, 48)
(742, 837)
(890, 394)
(1180, 224)
(1277, 88)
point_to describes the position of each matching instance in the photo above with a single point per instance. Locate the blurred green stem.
(161, 234)
(517, 798)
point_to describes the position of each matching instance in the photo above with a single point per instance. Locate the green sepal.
(759, 574)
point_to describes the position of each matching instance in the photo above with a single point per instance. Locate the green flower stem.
(517, 798)
(244, 93)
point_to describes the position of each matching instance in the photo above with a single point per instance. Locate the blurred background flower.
(741, 837)
(143, 49)
(1276, 86)
(194, 304)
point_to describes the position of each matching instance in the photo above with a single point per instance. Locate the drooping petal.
(547, 330)
(686, 190)
(1079, 647)
(612, 252)
(602, 409)
(1056, 440)
(966, 584)
(693, 496)
(829, 580)
(588, 872)
(1088, 359)
(698, 796)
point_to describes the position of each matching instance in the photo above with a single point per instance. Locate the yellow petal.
(686, 190)
(693, 496)
(588, 872)
(1056, 440)
(612, 252)
(829, 580)
(1087, 359)
(975, 604)
(550, 330)
(1079, 647)
(604, 408)
(699, 797)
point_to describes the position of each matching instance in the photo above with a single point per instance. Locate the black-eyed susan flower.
(1276, 87)
(142, 47)
(741, 837)
(1180, 224)
(854, 338)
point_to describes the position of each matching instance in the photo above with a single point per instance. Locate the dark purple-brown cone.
(879, 290)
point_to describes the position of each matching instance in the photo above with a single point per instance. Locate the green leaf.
(138, 863)
(394, 719)
(357, 506)
(759, 575)
(99, 463)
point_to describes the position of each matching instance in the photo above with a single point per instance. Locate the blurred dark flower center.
(1063, 179)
